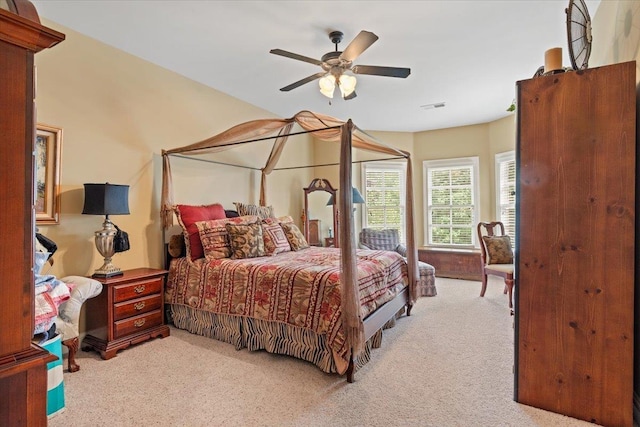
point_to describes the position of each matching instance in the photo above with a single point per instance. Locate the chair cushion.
(498, 249)
(504, 268)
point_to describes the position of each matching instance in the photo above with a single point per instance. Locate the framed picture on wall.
(48, 150)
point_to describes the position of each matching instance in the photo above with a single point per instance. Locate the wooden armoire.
(576, 234)
(23, 371)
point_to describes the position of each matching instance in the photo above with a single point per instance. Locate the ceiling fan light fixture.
(347, 85)
(327, 85)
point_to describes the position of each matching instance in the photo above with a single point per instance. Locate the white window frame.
(396, 166)
(500, 158)
(427, 165)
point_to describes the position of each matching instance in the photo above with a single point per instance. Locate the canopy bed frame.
(357, 331)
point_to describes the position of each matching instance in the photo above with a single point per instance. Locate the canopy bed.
(358, 316)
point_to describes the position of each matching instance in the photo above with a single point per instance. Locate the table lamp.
(355, 195)
(106, 199)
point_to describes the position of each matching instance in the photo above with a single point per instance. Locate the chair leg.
(72, 344)
(509, 285)
(484, 284)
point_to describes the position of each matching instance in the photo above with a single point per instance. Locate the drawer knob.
(138, 323)
(139, 289)
(139, 305)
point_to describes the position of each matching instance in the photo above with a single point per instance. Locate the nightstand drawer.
(122, 310)
(135, 324)
(136, 290)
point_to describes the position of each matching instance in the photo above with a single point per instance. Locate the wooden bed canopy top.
(324, 128)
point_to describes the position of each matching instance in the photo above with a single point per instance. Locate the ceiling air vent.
(434, 105)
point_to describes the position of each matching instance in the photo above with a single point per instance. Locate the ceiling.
(467, 54)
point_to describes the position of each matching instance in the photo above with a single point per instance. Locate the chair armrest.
(69, 311)
(402, 250)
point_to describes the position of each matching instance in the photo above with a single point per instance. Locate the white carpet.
(449, 364)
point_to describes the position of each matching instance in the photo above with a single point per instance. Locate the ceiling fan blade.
(363, 40)
(381, 71)
(303, 81)
(351, 96)
(295, 56)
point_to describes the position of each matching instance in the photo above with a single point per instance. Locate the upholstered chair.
(389, 240)
(69, 313)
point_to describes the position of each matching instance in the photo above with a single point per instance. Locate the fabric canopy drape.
(324, 128)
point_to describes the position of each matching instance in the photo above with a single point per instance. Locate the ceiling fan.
(335, 64)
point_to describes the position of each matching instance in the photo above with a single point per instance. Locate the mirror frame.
(320, 184)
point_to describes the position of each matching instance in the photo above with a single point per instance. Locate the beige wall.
(466, 141)
(117, 113)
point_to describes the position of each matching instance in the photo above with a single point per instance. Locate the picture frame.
(47, 152)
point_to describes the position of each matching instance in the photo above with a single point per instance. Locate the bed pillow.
(275, 241)
(246, 240)
(215, 237)
(498, 249)
(261, 211)
(294, 236)
(188, 215)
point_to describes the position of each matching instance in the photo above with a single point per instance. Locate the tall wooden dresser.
(576, 233)
(23, 374)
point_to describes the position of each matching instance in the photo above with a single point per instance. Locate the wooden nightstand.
(129, 310)
(329, 242)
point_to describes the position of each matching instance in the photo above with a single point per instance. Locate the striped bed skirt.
(273, 337)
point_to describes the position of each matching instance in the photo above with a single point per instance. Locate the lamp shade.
(355, 195)
(106, 199)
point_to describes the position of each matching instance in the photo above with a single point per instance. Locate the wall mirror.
(320, 221)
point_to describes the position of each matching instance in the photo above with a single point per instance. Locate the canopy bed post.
(412, 251)
(354, 329)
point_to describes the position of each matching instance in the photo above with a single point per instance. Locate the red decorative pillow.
(188, 216)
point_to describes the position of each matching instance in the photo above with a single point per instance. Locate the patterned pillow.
(275, 241)
(294, 236)
(261, 211)
(246, 240)
(215, 238)
(498, 249)
(188, 215)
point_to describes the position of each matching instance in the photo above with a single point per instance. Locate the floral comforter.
(297, 288)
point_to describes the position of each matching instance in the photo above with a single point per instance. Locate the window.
(452, 201)
(384, 196)
(506, 192)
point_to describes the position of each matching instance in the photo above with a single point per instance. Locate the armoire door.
(575, 255)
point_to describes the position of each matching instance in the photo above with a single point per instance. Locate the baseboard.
(636, 409)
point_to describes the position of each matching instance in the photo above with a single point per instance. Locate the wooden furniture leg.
(484, 285)
(509, 283)
(350, 370)
(72, 344)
